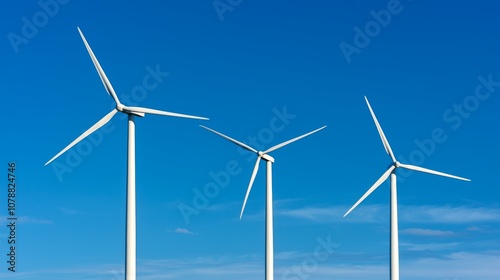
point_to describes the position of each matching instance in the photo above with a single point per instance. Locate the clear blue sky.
(268, 71)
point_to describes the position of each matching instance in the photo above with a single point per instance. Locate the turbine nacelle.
(265, 157)
(122, 108)
(136, 114)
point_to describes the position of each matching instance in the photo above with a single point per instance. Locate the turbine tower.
(131, 112)
(269, 266)
(394, 245)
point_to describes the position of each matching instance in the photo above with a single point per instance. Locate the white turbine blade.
(292, 140)
(89, 131)
(243, 145)
(254, 173)
(425, 170)
(372, 188)
(102, 75)
(381, 133)
(163, 113)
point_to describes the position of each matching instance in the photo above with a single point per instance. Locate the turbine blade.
(243, 145)
(163, 113)
(425, 170)
(372, 188)
(102, 75)
(292, 140)
(381, 133)
(89, 131)
(254, 173)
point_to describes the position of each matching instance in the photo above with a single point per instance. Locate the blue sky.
(262, 71)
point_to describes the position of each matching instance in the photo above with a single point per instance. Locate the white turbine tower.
(394, 246)
(130, 248)
(269, 267)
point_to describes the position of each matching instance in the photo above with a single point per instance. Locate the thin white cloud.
(181, 231)
(31, 220)
(462, 266)
(311, 213)
(449, 214)
(429, 246)
(475, 228)
(457, 265)
(210, 267)
(427, 232)
(412, 214)
(284, 201)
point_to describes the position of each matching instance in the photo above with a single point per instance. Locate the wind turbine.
(269, 267)
(131, 112)
(394, 274)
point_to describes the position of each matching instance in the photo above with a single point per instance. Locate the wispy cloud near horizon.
(462, 265)
(32, 220)
(375, 213)
(181, 231)
(427, 232)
